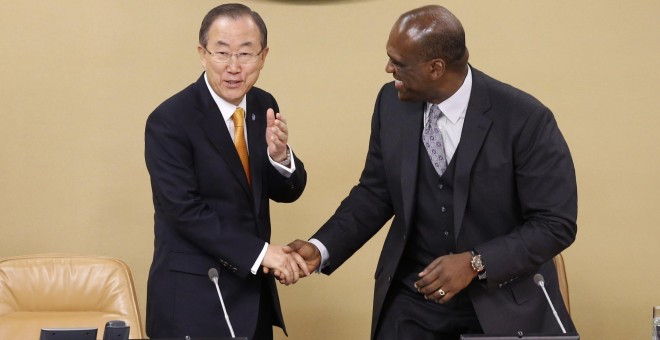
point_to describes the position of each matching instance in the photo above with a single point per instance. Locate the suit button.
(446, 233)
(441, 186)
(443, 209)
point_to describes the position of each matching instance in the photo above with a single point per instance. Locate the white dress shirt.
(227, 110)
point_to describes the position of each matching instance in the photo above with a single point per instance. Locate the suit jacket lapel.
(216, 131)
(474, 133)
(256, 129)
(411, 135)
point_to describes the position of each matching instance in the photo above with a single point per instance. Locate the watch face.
(477, 264)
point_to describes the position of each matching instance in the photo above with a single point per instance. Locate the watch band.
(287, 161)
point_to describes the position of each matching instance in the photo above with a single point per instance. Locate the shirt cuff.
(325, 256)
(260, 259)
(283, 170)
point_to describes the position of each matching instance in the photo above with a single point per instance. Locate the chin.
(404, 97)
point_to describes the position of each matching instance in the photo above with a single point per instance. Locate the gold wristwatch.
(478, 265)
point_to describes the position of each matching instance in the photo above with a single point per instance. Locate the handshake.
(292, 262)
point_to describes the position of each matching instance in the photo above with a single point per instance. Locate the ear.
(202, 55)
(438, 67)
(264, 54)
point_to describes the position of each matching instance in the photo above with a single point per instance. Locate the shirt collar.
(455, 106)
(226, 109)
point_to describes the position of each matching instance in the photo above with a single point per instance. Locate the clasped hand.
(292, 262)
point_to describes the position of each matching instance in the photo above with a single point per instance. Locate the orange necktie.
(239, 140)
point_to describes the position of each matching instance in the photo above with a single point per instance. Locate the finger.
(295, 269)
(424, 282)
(280, 124)
(300, 262)
(281, 117)
(429, 274)
(444, 299)
(277, 138)
(291, 263)
(266, 270)
(296, 244)
(270, 117)
(430, 267)
(288, 272)
(282, 281)
(438, 294)
(280, 136)
(280, 133)
(432, 287)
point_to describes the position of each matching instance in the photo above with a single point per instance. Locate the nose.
(389, 68)
(232, 63)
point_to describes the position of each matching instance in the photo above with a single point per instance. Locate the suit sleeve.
(365, 210)
(545, 185)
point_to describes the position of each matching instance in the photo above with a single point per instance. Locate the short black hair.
(233, 11)
(444, 35)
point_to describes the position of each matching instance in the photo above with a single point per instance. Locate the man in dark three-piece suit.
(481, 186)
(217, 153)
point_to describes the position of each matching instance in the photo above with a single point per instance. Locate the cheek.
(413, 81)
(252, 76)
(214, 72)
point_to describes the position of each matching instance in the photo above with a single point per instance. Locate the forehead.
(226, 31)
(400, 46)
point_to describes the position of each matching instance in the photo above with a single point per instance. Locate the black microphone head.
(538, 279)
(213, 274)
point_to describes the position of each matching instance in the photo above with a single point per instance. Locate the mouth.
(233, 83)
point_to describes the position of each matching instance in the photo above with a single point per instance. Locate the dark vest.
(432, 230)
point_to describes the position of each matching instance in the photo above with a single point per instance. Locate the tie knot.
(238, 117)
(434, 114)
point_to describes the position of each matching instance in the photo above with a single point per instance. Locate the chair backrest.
(64, 291)
(563, 281)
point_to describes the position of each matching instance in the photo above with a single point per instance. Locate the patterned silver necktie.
(432, 138)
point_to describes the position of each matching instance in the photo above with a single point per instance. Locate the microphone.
(538, 279)
(116, 330)
(213, 275)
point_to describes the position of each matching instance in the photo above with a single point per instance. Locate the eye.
(223, 54)
(244, 55)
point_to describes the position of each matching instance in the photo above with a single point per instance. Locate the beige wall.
(78, 79)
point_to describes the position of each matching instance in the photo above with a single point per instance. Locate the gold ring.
(441, 292)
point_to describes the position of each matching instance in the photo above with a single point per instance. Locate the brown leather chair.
(64, 291)
(563, 281)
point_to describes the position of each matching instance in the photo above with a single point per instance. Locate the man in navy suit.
(481, 186)
(217, 153)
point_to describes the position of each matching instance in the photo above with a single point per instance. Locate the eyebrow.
(224, 44)
(394, 60)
